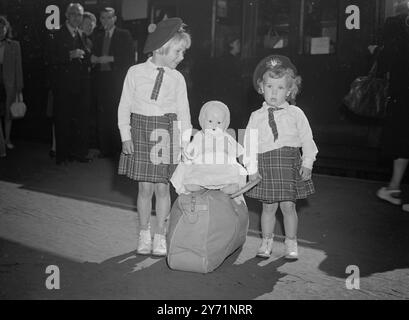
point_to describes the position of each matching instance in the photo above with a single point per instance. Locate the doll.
(211, 156)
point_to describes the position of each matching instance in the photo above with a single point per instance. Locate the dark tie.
(105, 51)
(158, 83)
(77, 39)
(272, 122)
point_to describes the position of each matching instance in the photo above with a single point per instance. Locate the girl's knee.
(145, 189)
(162, 190)
(287, 207)
(270, 208)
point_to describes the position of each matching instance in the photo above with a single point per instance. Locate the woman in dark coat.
(11, 81)
(395, 138)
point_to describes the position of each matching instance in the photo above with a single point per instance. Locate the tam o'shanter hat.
(271, 62)
(162, 33)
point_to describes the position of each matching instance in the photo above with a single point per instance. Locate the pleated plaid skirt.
(155, 154)
(281, 179)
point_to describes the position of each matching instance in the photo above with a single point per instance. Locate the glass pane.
(273, 25)
(228, 26)
(320, 26)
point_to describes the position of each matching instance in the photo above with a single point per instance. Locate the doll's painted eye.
(218, 122)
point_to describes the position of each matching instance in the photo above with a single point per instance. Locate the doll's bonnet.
(211, 105)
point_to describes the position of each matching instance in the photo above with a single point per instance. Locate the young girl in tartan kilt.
(154, 97)
(281, 129)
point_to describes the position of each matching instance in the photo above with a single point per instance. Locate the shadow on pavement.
(129, 276)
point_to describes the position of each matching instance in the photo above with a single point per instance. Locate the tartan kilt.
(281, 179)
(152, 161)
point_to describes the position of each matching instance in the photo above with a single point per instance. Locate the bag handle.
(246, 188)
(19, 97)
(372, 71)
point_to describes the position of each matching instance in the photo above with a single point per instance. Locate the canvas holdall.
(205, 227)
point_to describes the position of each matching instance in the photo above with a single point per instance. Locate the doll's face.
(215, 119)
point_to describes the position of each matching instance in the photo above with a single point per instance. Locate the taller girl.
(154, 97)
(282, 129)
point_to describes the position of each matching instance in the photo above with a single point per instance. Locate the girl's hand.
(127, 147)
(305, 173)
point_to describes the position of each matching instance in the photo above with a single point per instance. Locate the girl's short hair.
(4, 21)
(180, 36)
(277, 72)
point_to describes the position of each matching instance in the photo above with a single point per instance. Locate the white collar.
(154, 66)
(71, 29)
(111, 31)
(266, 106)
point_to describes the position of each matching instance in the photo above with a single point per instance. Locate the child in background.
(282, 129)
(154, 97)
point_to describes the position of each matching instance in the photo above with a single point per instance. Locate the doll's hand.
(127, 147)
(188, 153)
(254, 176)
(305, 173)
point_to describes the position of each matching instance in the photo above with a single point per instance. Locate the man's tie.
(272, 122)
(105, 51)
(158, 83)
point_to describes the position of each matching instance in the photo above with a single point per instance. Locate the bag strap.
(19, 97)
(190, 212)
(374, 68)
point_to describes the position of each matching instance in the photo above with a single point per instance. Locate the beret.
(163, 32)
(270, 62)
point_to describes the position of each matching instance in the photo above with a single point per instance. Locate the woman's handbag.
(18, 108)
(369, 95)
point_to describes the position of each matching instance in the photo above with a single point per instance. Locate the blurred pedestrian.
(11, 82)
(395, 139)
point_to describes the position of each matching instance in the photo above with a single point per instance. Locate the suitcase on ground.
(205, 227)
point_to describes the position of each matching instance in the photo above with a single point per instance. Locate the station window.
(319, 27)
(273, 25)
(228, 26)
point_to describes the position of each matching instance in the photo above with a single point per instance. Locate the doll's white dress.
(214, 162)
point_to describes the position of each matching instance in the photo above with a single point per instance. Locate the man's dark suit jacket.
(69, 72)
(121, 48)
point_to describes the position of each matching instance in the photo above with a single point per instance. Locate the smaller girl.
(282, 129)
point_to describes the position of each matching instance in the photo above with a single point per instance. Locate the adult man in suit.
(71, 62)
(113, 53)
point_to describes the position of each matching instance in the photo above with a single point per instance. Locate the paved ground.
(82, 219)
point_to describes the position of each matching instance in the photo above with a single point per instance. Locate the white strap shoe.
(266, 248)
(159, 245)
(145, 242)
(291, 249)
